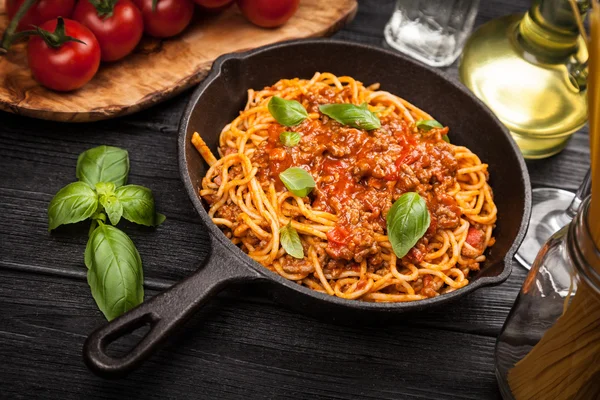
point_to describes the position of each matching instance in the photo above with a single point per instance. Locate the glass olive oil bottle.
(531, 71)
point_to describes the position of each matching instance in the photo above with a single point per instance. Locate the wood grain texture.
(235, 350)
(158, 69)
(242, 345)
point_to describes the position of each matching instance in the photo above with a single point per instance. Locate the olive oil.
(530, 70)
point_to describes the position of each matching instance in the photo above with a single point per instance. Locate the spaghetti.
(358, 175)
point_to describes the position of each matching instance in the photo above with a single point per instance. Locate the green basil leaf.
(446, 139)
(358, 117)
(287, 112)
(138, 204)
(105, 188)
(73, 203)
(113, 208)
(297, 181)
(290, 139)
(159, 219)
(103, 164)
(428, 124)
(407, 222)
(115, 271)
(291, 241)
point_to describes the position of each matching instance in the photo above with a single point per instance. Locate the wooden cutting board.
(158, 69)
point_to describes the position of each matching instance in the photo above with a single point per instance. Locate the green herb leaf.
(103, 164)
(115, 271)
(290, 139)
(75, 202)
(287, 112)
(407, 222)
(105, 188)
(446, 139)
(428, 124)
(358, 117)
(291, 241)
(159, 219)
(138, 205)
(113, 208)
(297, 181)
(108, 200)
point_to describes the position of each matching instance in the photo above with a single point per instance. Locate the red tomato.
(338, 236)
(118, 32)
(40, 12)
(268, 13)
(170, 18)
(213, 4)
(475, 238)
(70, 65)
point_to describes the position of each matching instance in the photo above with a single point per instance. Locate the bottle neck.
(549, 29)
(582, 249)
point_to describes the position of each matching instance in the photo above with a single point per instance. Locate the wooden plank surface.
(242, 345)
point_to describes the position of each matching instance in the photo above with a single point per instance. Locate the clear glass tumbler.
(432, 31)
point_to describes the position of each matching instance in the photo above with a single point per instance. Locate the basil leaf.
(287, 112)
(407, 222)
(446, 139)
(108, 200)
(358, 117)
(289, 139)
(105, 188)
(113, 208)
(297, 181)
(159, 219)
(115, 271)
(73, 203)
(138, 205)
(290, 241)
(428, 124)
(103, 164)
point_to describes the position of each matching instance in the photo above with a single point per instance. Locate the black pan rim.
(218, 238)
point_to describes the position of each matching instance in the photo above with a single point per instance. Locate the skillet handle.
(164, 313)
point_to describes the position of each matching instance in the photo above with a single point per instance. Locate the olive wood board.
(157, 69)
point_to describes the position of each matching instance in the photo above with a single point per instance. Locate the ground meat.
(293, 265)
(228, 211)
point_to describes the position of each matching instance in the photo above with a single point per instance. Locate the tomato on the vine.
(64, 55)
(268, 13)
(117, 24)
(168, 18)
(40, 12)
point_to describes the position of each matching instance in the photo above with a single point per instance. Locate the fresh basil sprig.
(297, 181)
(114, 265)
(290, 240)
(407, 222)
(290, 139)
(359, 117)
(287, 112)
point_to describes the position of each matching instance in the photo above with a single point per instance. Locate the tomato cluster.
(69, 38)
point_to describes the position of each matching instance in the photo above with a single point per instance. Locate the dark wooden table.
(241, 345)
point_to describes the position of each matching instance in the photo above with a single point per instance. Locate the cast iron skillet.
(220, 98)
